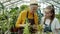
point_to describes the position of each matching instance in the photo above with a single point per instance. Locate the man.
(30, 14)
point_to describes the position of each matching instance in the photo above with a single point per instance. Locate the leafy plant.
(26, 29)
(23, 7)
(8, 19)
(58, 16)
(40, 28)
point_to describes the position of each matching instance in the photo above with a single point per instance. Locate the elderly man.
(31, 15)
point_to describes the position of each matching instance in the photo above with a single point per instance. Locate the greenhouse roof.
(9, 3)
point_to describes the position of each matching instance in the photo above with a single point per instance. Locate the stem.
(48, 32)
(40, 32)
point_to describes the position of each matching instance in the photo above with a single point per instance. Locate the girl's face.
(48, 13)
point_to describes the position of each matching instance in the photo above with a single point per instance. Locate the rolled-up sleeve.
(19, 20)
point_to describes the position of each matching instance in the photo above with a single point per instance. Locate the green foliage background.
(8, 18)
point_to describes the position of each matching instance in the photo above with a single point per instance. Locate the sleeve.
(19, 20)
(57, 24)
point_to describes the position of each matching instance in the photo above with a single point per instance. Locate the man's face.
(33, 8)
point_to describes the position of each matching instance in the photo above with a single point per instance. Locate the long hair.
(52, 11)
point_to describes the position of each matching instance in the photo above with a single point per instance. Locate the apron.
(47, 28)
(32, 22)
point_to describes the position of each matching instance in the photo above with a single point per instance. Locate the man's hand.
(34, 27)
(22, 25)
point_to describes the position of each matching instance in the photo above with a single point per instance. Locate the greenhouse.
(11, 9)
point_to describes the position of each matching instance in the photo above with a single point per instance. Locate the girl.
(50, 23)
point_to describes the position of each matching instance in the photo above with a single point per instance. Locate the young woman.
(49, 21)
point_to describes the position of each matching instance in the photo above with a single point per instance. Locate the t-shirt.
(47, 22)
